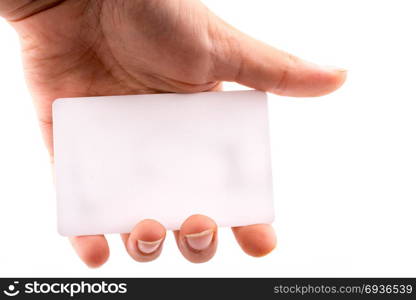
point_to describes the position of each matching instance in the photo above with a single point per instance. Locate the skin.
(80, 48)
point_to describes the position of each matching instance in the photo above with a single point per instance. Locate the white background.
(344, 165)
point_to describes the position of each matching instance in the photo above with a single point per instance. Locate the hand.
(90, 48)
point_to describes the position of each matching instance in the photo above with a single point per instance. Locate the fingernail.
(148, 247)
(200, 241)
(337, 69)
(342, 70)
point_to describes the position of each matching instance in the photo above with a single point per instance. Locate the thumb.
(257, 65)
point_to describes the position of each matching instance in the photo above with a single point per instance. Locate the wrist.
(15, 10)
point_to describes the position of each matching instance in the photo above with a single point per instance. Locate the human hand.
(78, 48)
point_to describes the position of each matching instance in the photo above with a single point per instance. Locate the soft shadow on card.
(122, 159)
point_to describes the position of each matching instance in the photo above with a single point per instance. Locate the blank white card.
(122, 159)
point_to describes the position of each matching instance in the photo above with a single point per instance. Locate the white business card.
(122, 159)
